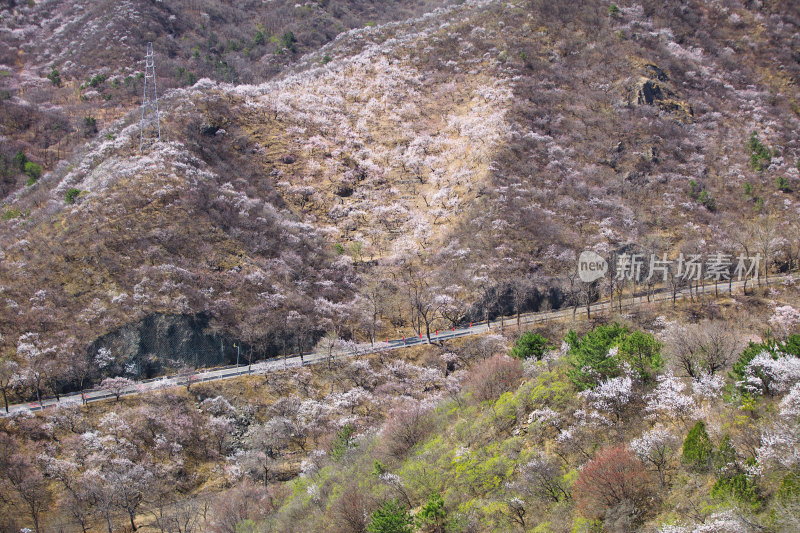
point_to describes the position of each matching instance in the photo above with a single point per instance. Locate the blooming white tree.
(785, 320)
(545, 416)
(264, 444)
(429, 378)
(780, 443)
(114, 426)
(218, 430)
(708, 386)
(9, 378)
(67, 417)
(768, 374)
(360, 373)
(790, 405)
(668, 399)
(77, 498)
(315, 417)
(656, 448)
(218, 406)
(39, 361)
(312, 464)
(129, 482)
(611, 395)
(401, 371)
(350, 400)
(721, 522)
(104, 358)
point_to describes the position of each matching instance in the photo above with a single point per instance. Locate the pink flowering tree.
(785, 320)
(116, 386)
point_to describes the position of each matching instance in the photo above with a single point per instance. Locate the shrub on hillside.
(97, 80)
(530, 345)
(71, 195)
(739, 488)
(698, 451)
(643, 352)
(405, 427)
(391, 517)
(614, 481)
(288, 41)
(791, 346)
(343, 441)
(725, 457)
(789, 490)
(492, 377)
(589, 355)
(349, 511)
(245, 501)
(542, 477)
(701, 195)
(89, 126)
(433, 515)
(597, 356)
(33, 170)
(19, 160)
(54, 76)
(760, 155)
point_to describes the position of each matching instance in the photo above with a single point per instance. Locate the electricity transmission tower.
(151, 126)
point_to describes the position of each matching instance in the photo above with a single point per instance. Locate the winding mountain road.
(215, 374)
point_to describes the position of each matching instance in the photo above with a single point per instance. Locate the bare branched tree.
(708, 347)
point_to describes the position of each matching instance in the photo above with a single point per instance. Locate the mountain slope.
(456, 163)
(67, 68)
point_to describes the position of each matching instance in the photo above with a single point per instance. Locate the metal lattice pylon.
(151, 126)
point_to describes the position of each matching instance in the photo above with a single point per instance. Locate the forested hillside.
(340, 172)
(68, 69)
(418, 174)
(669, 419)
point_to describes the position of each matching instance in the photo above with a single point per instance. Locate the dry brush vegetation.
(402, 178)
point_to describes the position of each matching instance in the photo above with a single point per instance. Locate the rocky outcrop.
(655, 89)
(160, 344)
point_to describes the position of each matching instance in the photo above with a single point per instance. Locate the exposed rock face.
(656, 72)
(160, 343)
(209, 130)
(499, 301)
(650, 92)
(654, 89)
